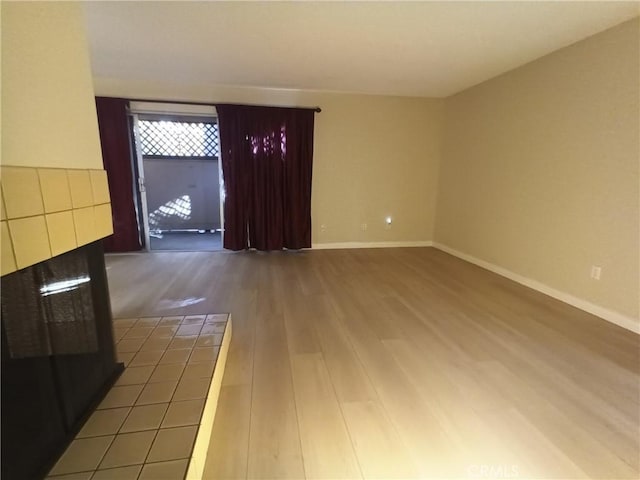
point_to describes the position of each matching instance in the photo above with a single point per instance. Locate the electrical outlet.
(387, 223)
(363, 227)
(596, 272)
(323, 228)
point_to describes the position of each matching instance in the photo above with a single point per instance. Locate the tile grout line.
(155, 436)
(131, 407)
(168, 406)
(148, 382)
(181, 377)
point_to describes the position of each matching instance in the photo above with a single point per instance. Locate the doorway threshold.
(187, 242)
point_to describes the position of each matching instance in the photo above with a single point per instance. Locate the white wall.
(540, 171)
(374, 156)
(48, 108)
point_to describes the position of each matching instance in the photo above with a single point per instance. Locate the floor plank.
(274, 441)
(325, 441)
(380, 451)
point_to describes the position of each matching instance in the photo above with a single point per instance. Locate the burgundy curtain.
(116, 156)
(267, 159)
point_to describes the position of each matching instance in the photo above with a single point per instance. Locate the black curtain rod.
(208, 104)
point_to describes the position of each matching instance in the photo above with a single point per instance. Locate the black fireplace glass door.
(48, 309)
(58, 356)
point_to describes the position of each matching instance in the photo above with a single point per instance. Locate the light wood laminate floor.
(397, 363)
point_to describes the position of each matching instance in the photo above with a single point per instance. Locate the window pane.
(178, 139)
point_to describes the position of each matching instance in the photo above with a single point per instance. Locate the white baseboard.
(342, 245)
(612, 316)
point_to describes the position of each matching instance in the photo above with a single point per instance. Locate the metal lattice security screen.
(166, 138)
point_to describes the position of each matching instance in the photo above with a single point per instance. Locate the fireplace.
(58, 356)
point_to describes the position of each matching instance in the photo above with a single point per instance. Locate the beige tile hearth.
(135, 375)
(157, 393)
(181, 414)
(104, 422)
(120, 473)
(145, 417)
(121, 396)
(128, 449)
(167, 373)
(150, 424)
(173, 470)
(73, 476)
(173, 444)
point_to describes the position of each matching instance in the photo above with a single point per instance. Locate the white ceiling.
(431, 49)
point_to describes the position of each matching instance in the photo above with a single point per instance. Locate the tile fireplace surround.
(50, 211)
(156, 421)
